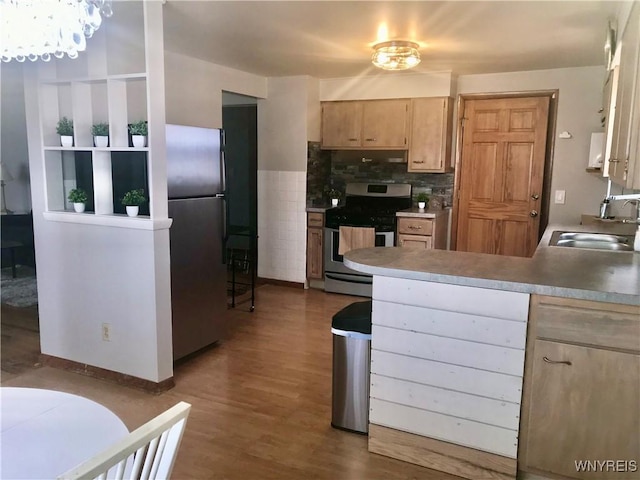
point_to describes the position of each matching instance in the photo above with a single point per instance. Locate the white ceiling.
(328, 39)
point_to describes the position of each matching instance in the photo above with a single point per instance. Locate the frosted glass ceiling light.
(40, 28)
(396, 55)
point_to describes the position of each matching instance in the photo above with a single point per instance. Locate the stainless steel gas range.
(366, 205)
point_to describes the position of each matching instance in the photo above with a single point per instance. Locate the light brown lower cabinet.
(315, 224)
(581, 404)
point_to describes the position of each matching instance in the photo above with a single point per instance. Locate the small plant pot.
(421, 205)
(66, 140)
(101, 141)
(132, 210)
(139, 141)
(334, 202)
(78, 207)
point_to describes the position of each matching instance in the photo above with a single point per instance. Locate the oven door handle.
(348, 280)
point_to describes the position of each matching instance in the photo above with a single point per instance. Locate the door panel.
(501, 173)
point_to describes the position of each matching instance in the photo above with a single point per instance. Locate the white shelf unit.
(106, 84)
(118, 100)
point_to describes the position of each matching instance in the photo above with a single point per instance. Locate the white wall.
(580, 97)
(388, 85)
(194, 88)
(13, 142)
(94, 274)
(286, 118)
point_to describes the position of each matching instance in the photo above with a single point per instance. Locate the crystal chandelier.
(396, 55)
(41, 28)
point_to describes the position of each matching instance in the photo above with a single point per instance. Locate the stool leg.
(13, 262)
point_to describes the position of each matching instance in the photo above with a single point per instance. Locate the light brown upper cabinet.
(623, 141)
(430, 136)
(368, 124)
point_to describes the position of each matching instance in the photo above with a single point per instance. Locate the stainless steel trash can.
(351, 329)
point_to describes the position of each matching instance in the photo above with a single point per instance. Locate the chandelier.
(396, 55)
(43, 28)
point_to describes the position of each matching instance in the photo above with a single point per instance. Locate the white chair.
(148, 452)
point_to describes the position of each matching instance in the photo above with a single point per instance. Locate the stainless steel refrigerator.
(196, 184)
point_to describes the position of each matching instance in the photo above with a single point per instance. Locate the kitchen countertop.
(318, 208)
(556, 271)
(424, 213)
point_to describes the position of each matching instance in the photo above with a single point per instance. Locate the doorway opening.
(240, 126)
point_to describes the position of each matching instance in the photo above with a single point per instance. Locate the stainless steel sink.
(593, 237)
(595, 241)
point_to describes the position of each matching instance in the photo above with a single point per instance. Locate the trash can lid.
(355, 318)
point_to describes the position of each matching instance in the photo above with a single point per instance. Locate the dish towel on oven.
(356, 237)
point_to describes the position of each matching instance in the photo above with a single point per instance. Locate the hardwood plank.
(444, 323)
(261, 399)
(442, 296)
(461, 461)
(444, 375)
(447, 402)
(449, 350)
(468, 433)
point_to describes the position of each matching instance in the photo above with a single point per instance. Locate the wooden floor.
(261, 399)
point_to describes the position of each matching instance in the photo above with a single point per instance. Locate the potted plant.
(78, 197)
(335, 196)
(422, 199)
(138, 131)
(132, 201)
(65, 130)
(100, 132)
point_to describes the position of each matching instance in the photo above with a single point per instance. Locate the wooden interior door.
(501, 175)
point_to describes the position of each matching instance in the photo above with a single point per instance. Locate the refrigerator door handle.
(223, 206)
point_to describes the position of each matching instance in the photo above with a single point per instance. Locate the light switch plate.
(560, 197)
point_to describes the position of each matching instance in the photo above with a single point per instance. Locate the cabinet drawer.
(421, 242)
(415, 226)
(587, 323)
(315, 220)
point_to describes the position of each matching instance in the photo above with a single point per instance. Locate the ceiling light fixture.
(396, 55)
(41, 28)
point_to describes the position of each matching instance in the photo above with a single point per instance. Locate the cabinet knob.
(415, 227)
(353, 139)
(370, 139)
(533, 213)
(418, 161)
(614, 160)
(556, 362)
(535, 196)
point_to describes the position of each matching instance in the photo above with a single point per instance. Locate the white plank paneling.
(468, 433)
(455, 298)
(448, 402)
(448, 350)
(464, 326)
(452, 377)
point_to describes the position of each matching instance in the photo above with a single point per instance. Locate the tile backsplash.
(337, 168)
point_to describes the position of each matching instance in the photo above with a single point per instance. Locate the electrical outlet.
(106, 332)
(560, 197)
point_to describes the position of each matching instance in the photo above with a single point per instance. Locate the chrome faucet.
(629, 198)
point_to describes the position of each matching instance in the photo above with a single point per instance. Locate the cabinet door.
(314, 253)
(587, 410)
(430, 137)
(341, 124)
(385, 124)
(625, 102)
(420, 242)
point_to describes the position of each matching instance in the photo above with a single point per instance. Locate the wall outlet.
(560, 197)
(106, 332)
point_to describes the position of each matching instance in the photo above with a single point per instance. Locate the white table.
(44, 433)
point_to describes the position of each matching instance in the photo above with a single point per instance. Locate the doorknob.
(533, 213)
(535, 196)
